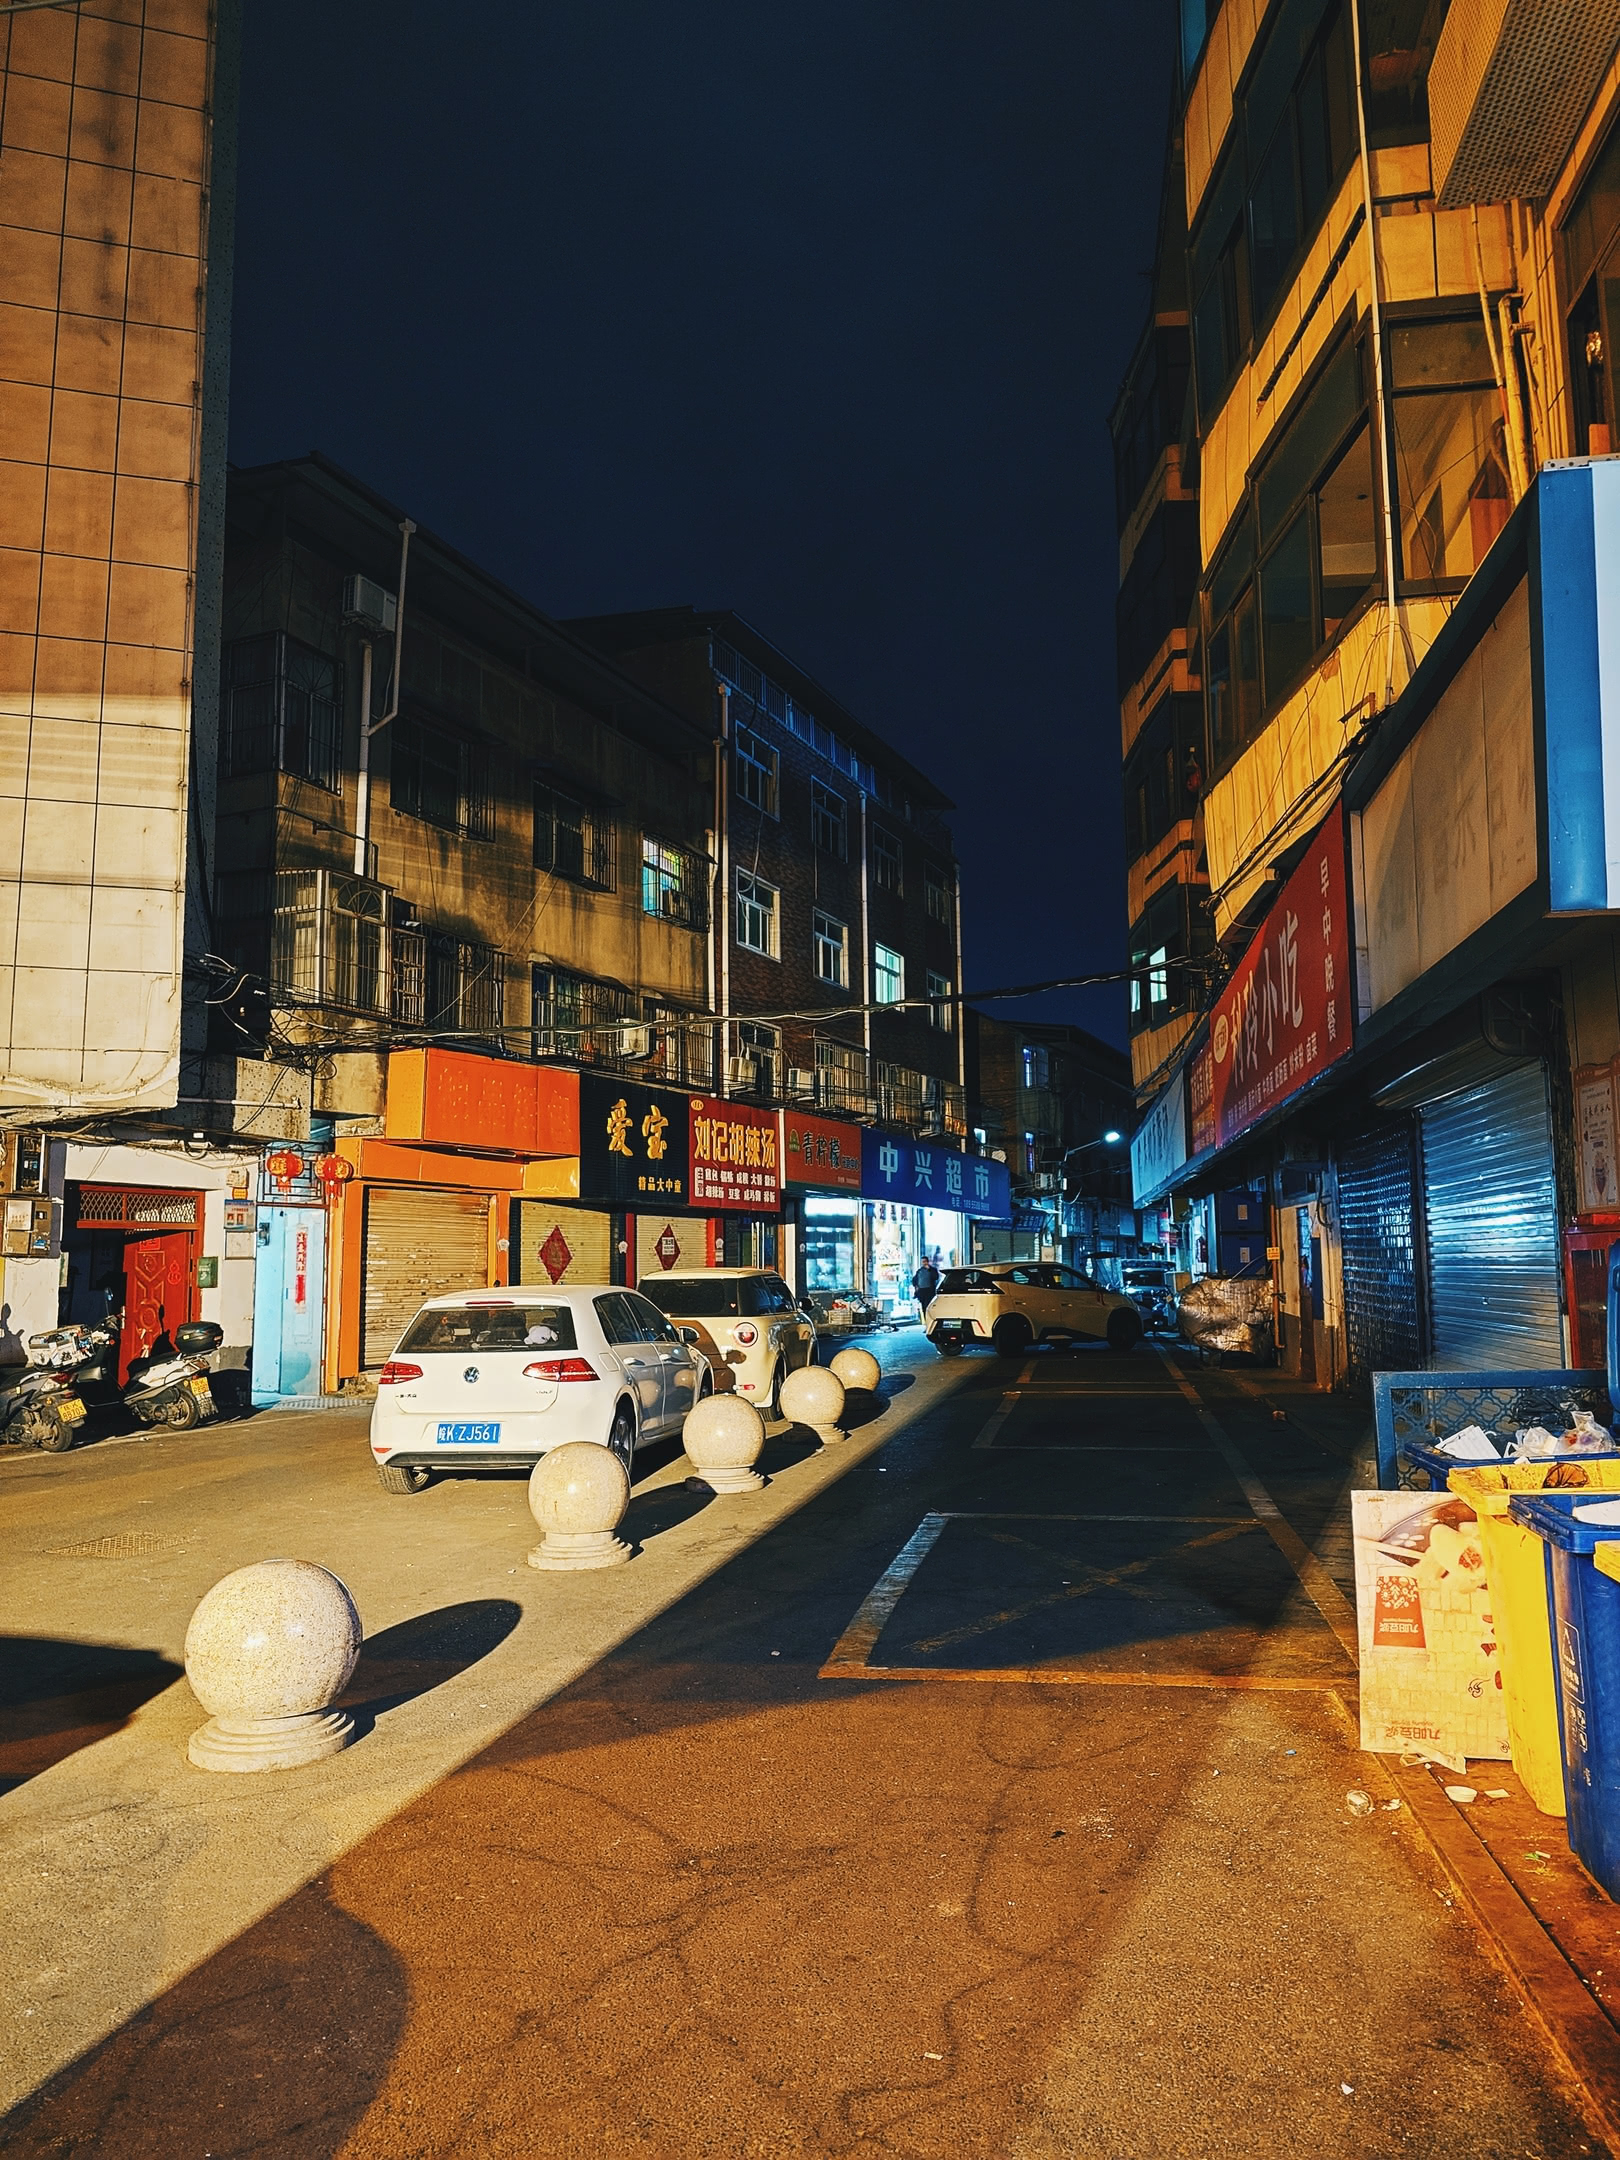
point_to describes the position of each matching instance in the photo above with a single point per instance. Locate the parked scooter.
(174, 1390)
(40, 1404)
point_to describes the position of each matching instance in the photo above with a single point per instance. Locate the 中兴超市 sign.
(735, 1159)
(1286, 1014)
(922, 1174)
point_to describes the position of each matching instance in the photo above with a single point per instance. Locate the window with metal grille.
(828, 821)
(575, 1016)
(941, 1010)
(464, 986)
(756, 914)
(937, 892)
(755, 764)
(441, 778)
(672, 884)
(760, 1051)
(886, 860)
(282, 709)
(888, 975)
(572, 839)
(329, 939)
(831, 942)
(841, 1082)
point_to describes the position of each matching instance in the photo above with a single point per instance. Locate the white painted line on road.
(1323, 1592)
(1004, 1409)
(854, 1646)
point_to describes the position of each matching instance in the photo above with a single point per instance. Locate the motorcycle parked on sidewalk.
(174, 1389)
(40, 1403)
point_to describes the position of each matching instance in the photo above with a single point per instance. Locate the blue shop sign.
(923, 1173)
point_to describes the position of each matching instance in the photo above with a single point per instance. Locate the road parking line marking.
(1323, 1592)
(1040, 1676)
(855, 1645)
(1004, 1409)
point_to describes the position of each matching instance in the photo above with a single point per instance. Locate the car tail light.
(561, 1368)
(395, 1371)
(747, 1334)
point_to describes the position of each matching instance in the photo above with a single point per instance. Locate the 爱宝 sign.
(632, 1144)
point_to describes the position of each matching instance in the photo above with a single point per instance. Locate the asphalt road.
(993, 1803)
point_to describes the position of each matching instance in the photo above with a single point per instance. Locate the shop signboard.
(1201, 1099)
(820, 1152)
(1285, 1016)
(736, 1162)
(1160, 1146)
(922, 1173)
(633, 1143)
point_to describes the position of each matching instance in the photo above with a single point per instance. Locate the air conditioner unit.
(368, 606)
(635, 1042)
(754, 1070)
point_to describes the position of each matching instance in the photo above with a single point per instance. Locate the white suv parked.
(488, 1378)
(1015, 1304)
(744, 1322)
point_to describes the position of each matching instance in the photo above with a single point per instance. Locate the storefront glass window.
(828, 1235)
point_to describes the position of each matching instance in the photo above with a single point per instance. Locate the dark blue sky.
(815, 313)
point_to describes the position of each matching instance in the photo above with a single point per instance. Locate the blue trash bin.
(1584, 1605)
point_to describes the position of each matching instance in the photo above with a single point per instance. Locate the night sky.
(816, 313)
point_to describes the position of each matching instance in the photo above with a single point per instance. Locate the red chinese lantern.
(334, 1170)
(284, 1164)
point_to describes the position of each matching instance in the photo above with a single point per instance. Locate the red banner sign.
(735, 1159)
(1201, 1100)
(1285, 1015)
(820, 1151)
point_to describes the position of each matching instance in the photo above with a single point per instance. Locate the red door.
(159, 1291)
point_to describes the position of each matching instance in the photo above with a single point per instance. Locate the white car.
(741, 1320)
(1014, 1304)
(497, 1377)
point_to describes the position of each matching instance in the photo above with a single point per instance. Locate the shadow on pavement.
(651, 1514)
(417, 1655)
(276, 2045)
(57, 1697)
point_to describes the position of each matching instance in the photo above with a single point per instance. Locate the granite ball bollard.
(578, 1495)
(723, 1436)
(814, 1396)
(857, 1369)
(269, 1650)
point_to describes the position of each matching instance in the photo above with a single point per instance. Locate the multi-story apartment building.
(1158, 656)
(837, 940)
(1400, 221)
(1056, 1103)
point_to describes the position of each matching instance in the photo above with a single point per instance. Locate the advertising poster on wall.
(1594, 1128)
(1286, 1014)
(735, 1159)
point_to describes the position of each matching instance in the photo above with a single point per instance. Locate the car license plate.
(198, 1386)
(70, 1410)
(468, 1435)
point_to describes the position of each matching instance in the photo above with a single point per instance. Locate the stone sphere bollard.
(578, 1495)
(269, 1650)
(723, 1436)
(814, 1396)
(857, 1369)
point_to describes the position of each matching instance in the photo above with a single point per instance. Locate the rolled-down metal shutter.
(670, 1241)
(418, 1245)
(1490, 1199)
(558, 1244)
(1377, 1252)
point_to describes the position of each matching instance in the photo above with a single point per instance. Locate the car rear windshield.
(492, 1327)
(965, 1279)
(692, 1299)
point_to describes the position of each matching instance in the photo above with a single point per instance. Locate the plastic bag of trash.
(1227, 1312)
(1472, 1444)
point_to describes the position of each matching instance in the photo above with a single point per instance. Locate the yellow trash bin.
(1516, 1569)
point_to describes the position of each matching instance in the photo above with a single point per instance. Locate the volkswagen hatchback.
(487, 1379)
(1014, 1304)
(745, 1324)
